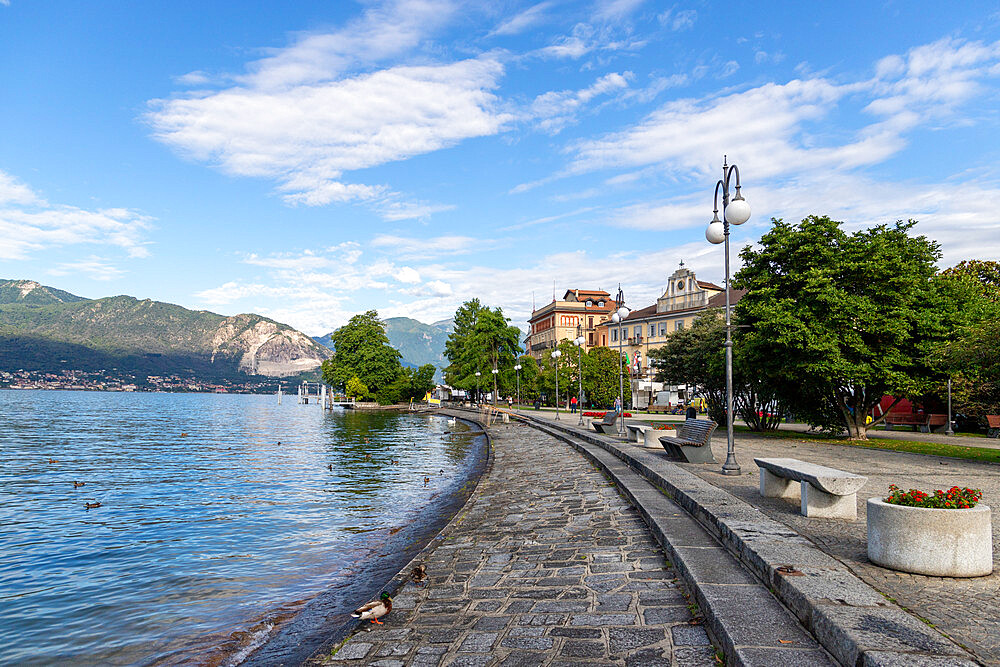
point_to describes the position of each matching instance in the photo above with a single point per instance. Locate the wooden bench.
(924, 422)
(637, 432)
(994, 426)
(606, 425)
(823, 492)
(654, 409)
(693, 441)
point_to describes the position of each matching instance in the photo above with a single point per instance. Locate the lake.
(222, 518)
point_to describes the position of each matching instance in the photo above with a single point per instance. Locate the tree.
(695, 357)
(356, 389)
(481, 341)
(601, 378)
(410, 384)
(362, 350)
(836, 320)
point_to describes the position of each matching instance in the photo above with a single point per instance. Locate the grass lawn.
(911, 446)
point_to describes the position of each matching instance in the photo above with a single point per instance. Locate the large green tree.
(836, 320)
(482, 340)
(601, 379)
(362, 350)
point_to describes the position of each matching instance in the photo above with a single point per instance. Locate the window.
(663, 328)
(638, 331)
(589, 303)
(624, 333)
(652, 330)
(590, 339)
(614, 335)
(678, 325)
(590, 322)
(600, 304)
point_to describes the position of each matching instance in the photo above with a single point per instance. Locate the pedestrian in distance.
(691, 412)
(573, 404)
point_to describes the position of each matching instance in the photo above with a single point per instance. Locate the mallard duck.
(375, 609)
(91, 506)
(419, 574)
(77, 485)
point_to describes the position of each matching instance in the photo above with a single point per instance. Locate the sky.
(312, 160)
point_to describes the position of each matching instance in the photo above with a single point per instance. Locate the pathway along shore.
(546, 565)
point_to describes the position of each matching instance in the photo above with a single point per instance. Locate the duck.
(419, 574)
(427, 481)
(375, 609)
(91, 506)
(77, 485)
(52, 460)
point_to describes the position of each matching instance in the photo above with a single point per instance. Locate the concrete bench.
(637, 432)
(606, 425)
(994, 426)
(693, 441)
(823, 492)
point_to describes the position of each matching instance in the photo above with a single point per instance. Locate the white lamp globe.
(622, 312)
(518, 367)
(495, 371)
(478, 373)
(615, 318)
(556, 354)
(716, 232)
(738, 211)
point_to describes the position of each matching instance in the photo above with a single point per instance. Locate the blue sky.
(312, 160)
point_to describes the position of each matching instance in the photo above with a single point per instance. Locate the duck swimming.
(91, 506)
(77, 485)
(375, 609)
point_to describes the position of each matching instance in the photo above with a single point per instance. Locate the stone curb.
(849, 618)
(393, 586)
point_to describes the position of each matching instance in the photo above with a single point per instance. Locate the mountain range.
(46, 329)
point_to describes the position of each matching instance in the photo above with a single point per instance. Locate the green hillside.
(43, 329)
(419, 343)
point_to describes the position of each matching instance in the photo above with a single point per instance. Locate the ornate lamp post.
(579, 371)
(555, 358)
(477, 385)
(517, 372)
(617, 317)
(495, 371)
(734, 212)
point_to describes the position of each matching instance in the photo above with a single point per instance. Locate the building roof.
(649, 312)
(707, 285)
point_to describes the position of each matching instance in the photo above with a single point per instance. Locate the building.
(645, 329)
(558, 320)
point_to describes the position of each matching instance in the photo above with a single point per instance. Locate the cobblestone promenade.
(546, 565)
(966, 609)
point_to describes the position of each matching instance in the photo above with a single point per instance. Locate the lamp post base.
(731, 467)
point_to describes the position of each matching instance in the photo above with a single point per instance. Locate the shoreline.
(324, 622)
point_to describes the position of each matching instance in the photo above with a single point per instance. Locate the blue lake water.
(210, 533)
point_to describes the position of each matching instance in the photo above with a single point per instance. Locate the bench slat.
(829, 480)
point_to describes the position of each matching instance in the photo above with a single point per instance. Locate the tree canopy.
(833, 321)
(482, 340)
(362, 350)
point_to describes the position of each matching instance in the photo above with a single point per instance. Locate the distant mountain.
(45, 329)
(30, 292)
(419, 343)
(447, 325)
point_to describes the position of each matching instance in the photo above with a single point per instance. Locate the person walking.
(573, 404)
(618, 404)
(691, 412)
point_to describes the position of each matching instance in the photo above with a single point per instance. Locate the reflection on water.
(217, 511)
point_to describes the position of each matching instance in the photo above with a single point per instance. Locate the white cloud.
(555, 110)
(609, 10)
(677, 21)
(29, 223)
(522, 21)
(316, 132)
(408, 275)
(93, 267)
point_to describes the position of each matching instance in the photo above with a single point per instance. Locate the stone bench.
(637, 432)
(693, 441)
(606, 425)
(824, 492)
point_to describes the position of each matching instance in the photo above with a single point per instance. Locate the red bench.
(994, 426)
(926, 423)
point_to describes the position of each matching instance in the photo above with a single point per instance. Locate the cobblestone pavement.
(966, 609)
(546, 565)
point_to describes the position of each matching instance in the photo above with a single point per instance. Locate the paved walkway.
(546, 565)
(966, 609)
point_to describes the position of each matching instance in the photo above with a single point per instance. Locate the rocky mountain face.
(46, 329)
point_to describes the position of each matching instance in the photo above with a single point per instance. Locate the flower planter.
(935, 542)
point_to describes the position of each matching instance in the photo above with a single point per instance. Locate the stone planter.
(935, 542)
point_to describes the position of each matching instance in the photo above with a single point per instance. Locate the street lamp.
(555, 357)
(734, 212)
(579, 371)
(495, 371)
(477, 385)
(517, 372)
(617, 317)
